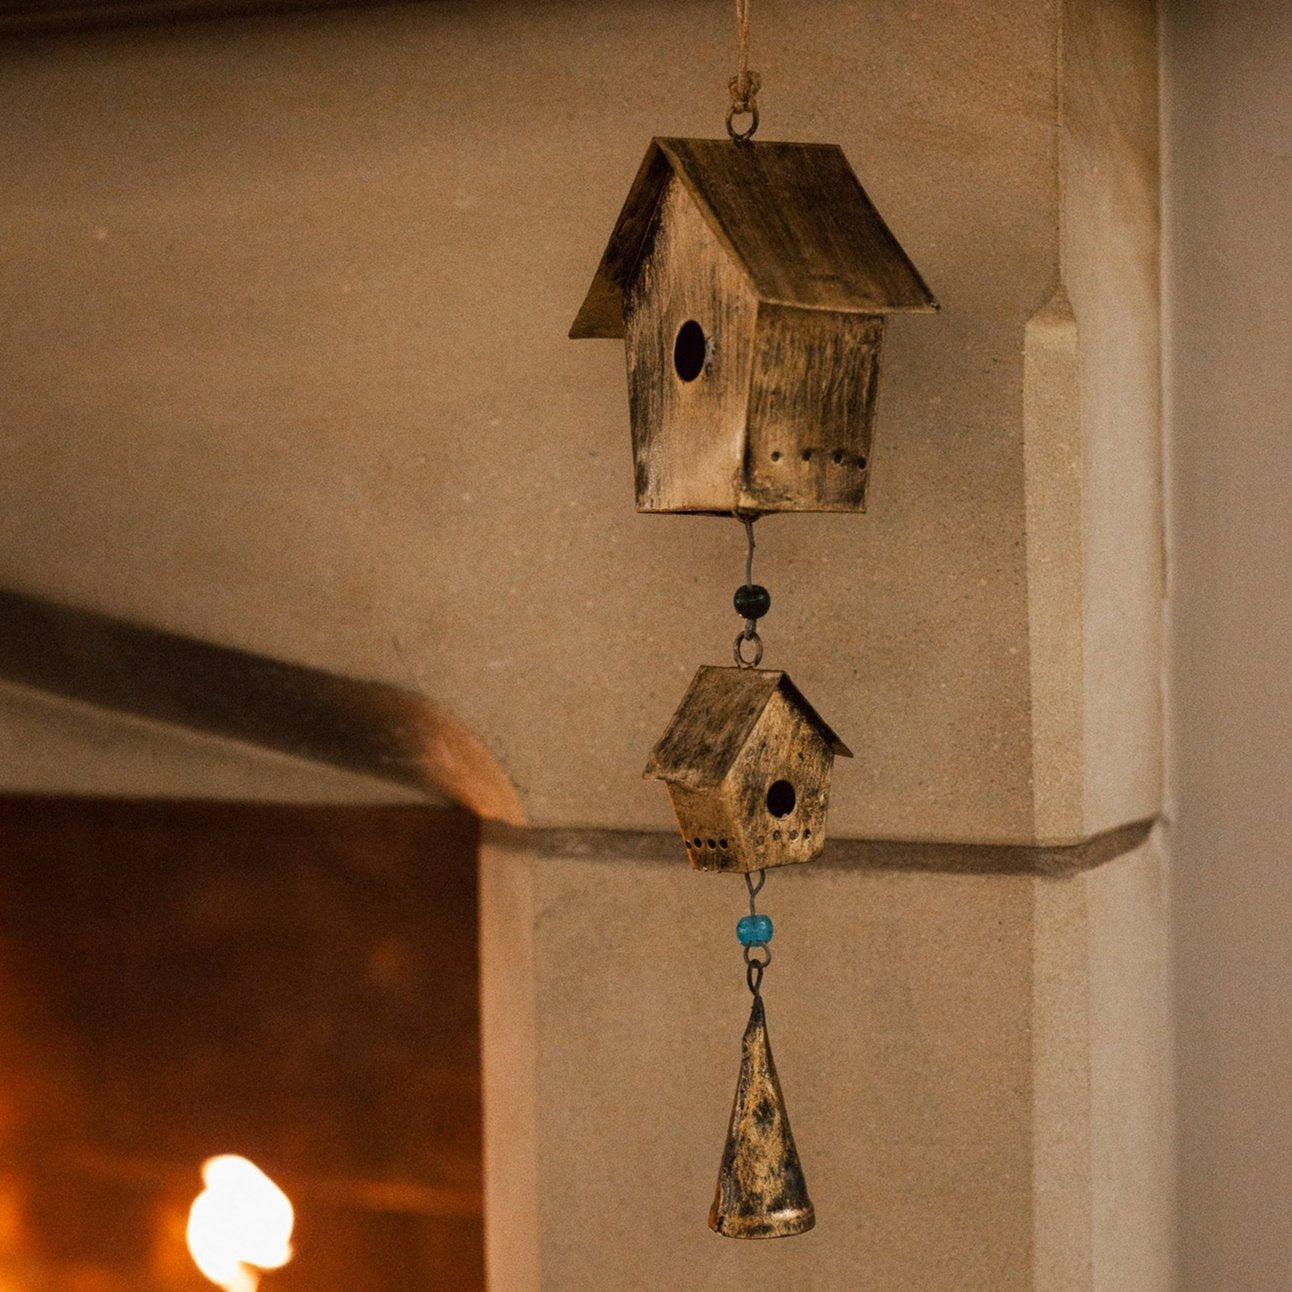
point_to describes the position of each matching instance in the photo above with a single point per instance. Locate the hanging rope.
(744, 86)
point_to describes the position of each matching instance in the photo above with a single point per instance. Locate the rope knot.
(744, 87)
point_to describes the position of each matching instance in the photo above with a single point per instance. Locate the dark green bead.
(752, 601)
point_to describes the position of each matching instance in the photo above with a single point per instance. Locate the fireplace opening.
(185, 985)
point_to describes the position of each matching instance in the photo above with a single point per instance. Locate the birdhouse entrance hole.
(781, 798)
(690, 350)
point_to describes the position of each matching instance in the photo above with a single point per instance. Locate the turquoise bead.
(754, 930)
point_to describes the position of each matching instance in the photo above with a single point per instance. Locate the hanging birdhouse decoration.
(750, 283)
(747, 763)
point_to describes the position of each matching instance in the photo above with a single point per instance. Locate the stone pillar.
(1229, 109)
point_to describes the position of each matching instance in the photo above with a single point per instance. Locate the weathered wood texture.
(761, 1190)
(781, 788)
(688, 436)
(811, 409)
(747, 762)
(792, 216)
(801, 225)
(775, 254)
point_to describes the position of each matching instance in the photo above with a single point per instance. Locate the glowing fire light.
(240, 1226)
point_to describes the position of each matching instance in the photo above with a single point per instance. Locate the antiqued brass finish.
(751, 284)
(761, 1192)
(739, 736)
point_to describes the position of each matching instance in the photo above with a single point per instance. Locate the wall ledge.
(370, 728)
(1054, 861)
(398, 736)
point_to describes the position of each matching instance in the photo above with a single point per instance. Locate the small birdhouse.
(750, 282)
(747, 762)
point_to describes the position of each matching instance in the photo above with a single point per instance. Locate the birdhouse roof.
(715, 720)
(794, 218)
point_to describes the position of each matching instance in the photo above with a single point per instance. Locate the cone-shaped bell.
(761, 1192)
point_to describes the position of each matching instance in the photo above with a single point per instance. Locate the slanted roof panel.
(837, 746)
(716, 719)
(602, 314)
(793, 216)
(800, 224)
(711, 725)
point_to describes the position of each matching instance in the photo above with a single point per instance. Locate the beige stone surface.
(1063, 1170)
(1132, 1086)
(973, 1068)
(1110, 226)
(50, 745)
(899, 1017)
(509, 1037)
(1092, 447)
(1229, 271)
(285, 305)
(1052, 462)
(1102, 1085)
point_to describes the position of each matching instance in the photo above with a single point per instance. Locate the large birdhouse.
(747, 762)
(750, 283)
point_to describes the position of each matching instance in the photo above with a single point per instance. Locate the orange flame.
(240, 1225)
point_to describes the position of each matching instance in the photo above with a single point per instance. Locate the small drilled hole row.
(836, 457)
(699, 843)
(776, 834)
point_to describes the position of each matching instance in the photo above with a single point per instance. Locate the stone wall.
(288, 298)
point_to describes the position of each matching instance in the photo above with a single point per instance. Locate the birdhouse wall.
(781, 788)
(688, 435)
(770, 810)
(710, 829)
(811, 409)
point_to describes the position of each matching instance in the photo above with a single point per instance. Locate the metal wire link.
(746, 83)
(754, 967)
(741, 136)
(748, 634)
